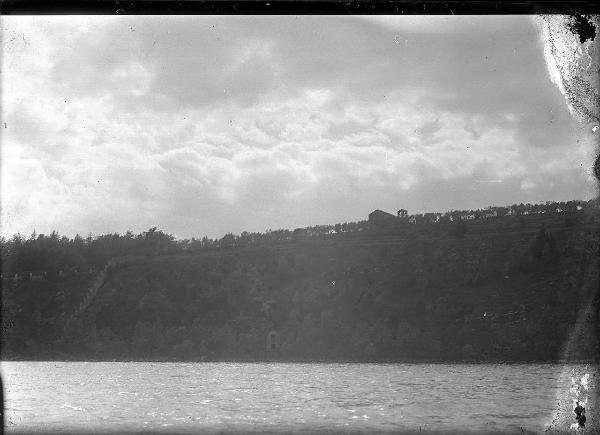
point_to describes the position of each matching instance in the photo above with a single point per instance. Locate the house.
(412, 220)
(381, 218)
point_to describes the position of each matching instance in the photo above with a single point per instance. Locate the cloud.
(205, 125)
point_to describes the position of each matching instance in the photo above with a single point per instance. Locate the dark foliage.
(501, 288)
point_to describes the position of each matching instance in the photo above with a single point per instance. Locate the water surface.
(197, 397)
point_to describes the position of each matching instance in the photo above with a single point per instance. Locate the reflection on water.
(268, 396)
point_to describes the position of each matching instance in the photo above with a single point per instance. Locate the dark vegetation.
(503, 287)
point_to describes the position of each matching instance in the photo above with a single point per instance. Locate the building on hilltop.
(379, 218)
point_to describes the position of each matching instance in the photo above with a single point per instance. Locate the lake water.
(206, 397)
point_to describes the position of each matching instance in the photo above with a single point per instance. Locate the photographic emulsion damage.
(300, 224)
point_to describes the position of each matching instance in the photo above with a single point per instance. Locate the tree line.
(53, 254)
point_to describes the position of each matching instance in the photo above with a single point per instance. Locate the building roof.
(381, 213)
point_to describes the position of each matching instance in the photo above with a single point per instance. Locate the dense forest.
(459, 286)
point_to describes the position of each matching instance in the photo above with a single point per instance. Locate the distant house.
(272, 341)
(412, 220)
(381, 218)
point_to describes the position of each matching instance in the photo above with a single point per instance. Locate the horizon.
(200, 236)
(213, 125)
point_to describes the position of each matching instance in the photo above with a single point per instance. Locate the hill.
(501, 289)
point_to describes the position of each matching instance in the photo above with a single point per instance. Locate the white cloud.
(128, 123)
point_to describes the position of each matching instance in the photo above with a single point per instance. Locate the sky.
(204, 125)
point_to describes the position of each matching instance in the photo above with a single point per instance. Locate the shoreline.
(307, 361)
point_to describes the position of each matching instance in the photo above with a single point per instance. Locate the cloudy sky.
(206, 125)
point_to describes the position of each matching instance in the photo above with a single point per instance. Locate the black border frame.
(294, 7)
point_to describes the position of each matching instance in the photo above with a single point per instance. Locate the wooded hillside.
(507, 288)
